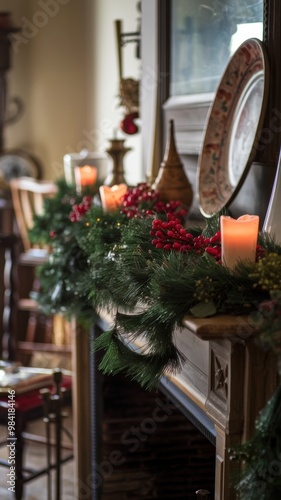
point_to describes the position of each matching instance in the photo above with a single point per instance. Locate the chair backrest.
(28, 200)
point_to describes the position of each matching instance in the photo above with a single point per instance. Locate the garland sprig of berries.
(171, 235)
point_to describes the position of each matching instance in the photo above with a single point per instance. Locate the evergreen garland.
(147, 267)
(144, 266)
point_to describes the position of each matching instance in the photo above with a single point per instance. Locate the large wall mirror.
(204, 35)
(187, 53)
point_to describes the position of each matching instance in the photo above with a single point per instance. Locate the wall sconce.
(6, 31)
(128, 87)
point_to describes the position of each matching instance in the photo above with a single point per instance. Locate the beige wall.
(64, 67)
(107, 112)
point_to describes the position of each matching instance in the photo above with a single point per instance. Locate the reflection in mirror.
(204, 35)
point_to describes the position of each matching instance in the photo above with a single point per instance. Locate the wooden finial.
(172, 182)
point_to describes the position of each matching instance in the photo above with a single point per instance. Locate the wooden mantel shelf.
(220, 326)
(225, 381)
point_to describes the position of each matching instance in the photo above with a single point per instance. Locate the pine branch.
(260, 478)
(146, 369)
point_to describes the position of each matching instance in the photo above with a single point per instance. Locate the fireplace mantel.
(229, 378)
(225, 381)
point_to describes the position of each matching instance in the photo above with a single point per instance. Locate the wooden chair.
(28, 199)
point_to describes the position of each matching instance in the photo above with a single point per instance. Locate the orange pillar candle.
(85, 176)
(111, 197)
(239, 239)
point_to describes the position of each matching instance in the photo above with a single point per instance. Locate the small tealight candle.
(239, 239)
(85, 175)
(111, 197)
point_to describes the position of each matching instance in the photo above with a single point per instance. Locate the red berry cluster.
(171, 235)
(261, 252)
(143, 200)
(79, 210)
(173, 207)
(138, 199)
(270, 309)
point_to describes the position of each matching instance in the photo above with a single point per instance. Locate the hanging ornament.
(128, 125)
(172, 182)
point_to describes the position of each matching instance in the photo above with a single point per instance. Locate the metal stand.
(53, 415)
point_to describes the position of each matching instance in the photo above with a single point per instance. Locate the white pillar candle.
(96, 159)
(111, 197)
(239, 239)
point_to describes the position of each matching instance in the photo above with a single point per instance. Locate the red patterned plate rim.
(233, 127)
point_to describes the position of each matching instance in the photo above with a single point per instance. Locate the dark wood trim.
(8, 252)
(164, 44)
(272, 125)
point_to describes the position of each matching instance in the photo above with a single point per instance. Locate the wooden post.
(81, 410)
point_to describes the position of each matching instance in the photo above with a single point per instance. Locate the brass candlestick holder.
(117, 151)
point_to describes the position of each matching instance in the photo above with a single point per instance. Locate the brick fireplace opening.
(146, 447)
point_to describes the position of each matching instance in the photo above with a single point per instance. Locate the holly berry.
(79, 210)
(171, 235)
(143, 201)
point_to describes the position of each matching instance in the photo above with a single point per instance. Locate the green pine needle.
(145, 368)
(260, 478)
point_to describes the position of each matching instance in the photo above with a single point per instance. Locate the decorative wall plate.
(233, 127)
(19, 163)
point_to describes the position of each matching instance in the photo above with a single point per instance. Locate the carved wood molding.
(226, 377)
(219, 376)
